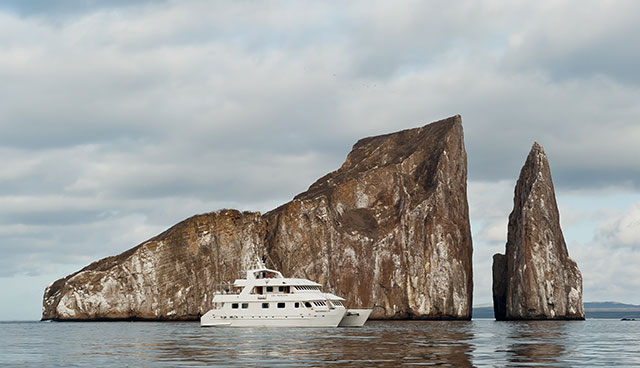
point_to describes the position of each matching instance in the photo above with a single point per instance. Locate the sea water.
(480, 343)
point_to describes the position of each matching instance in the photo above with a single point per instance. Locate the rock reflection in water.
(377, 344)
(409, 342)
(479, 343)
(537, 342)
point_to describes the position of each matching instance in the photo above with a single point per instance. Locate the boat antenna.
(262, 261)
(265, 258)
(259, 262)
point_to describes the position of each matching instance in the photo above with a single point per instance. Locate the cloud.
(124, 119)
(622, 230)
(142, 75)
(65, 7)
(608, 273)
(572, 41)
(602, 238)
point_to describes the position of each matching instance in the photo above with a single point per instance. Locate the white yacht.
(266, 298)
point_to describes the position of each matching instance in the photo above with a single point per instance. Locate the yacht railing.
(227, 289)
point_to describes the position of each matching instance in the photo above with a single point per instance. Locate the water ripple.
(477, 343)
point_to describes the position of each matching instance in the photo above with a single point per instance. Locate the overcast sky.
(119, 120)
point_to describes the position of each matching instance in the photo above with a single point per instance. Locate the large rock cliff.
(389, 230)
(536, 279)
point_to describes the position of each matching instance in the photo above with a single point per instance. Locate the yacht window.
(245, 305)
(234, 306)
(280, 288)
(307, 304)
(265, 305)
(296, 305)
(269, 289)
(280, 305)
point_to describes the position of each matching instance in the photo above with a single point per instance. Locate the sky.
(119, 119)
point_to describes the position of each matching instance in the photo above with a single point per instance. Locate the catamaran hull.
(355, 318)
(321, 319)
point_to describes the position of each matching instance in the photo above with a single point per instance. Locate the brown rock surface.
(389, 229)
(170, 276)
(536, 279)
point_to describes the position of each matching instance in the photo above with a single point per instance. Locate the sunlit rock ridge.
(389, 230)
(536, 279)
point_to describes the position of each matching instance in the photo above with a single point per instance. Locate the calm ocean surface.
(482, 342)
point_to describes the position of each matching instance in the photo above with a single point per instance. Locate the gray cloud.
(573, 41)
(65, 7)
(118, 121)
(621, 230)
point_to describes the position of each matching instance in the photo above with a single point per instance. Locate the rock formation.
(536, 279)
(389, 230)
(170, 276)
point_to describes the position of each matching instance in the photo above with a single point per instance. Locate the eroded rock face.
(171, 276)
(389, 229)
(536, 279)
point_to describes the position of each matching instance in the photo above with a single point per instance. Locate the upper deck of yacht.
(268, 277)
(264, 281)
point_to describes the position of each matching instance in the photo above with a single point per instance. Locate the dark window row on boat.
(304, 287)
(282, 289)
(280, 305)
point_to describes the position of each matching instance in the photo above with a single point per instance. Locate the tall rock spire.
(536, 279)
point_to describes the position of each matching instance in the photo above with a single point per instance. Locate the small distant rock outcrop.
(536, 279)
(389, 230)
